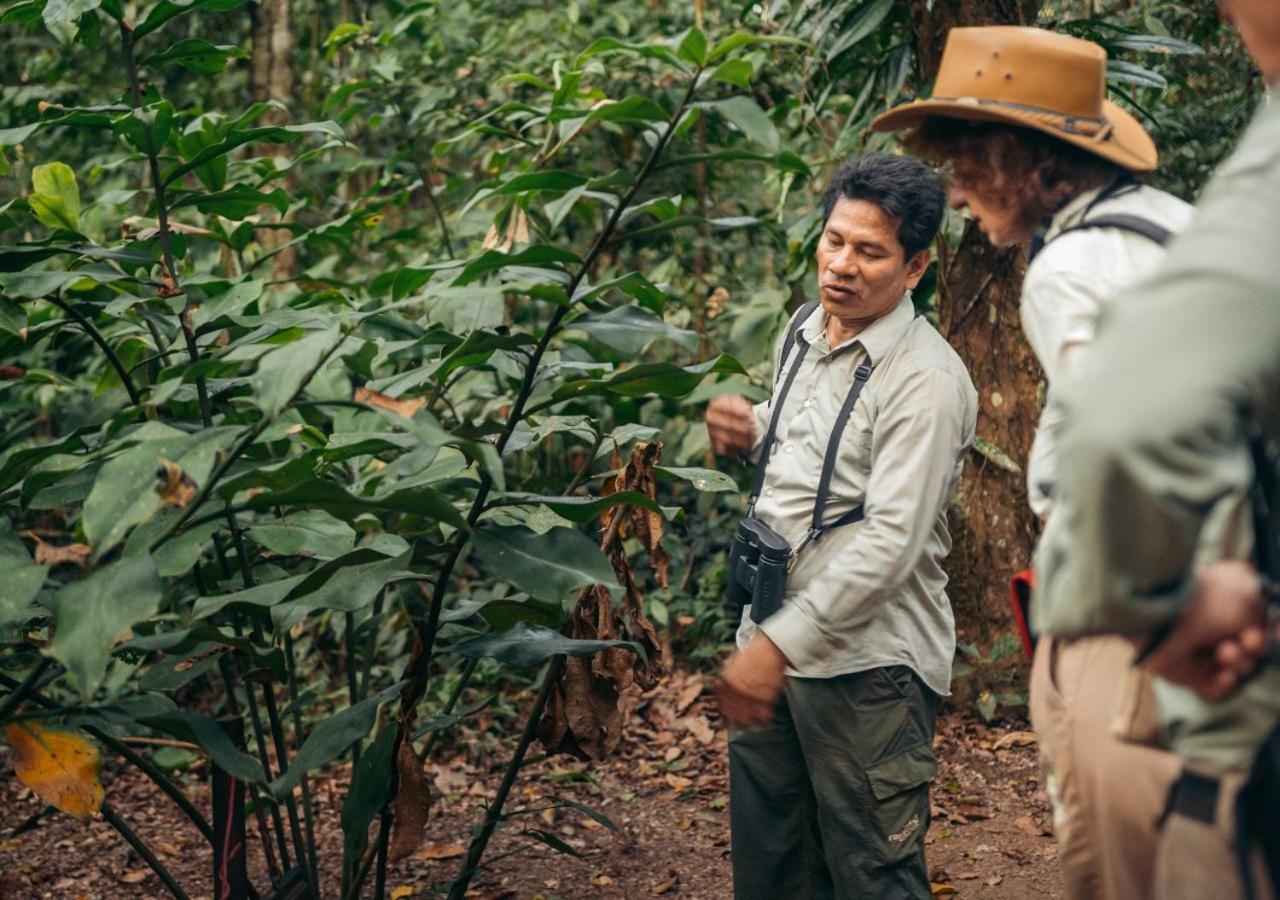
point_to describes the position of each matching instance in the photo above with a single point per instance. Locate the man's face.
(996, 220)
(1258, 22)
(861, 267)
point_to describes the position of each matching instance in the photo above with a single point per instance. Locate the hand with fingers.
(731, 424)
(751, 683)
(1221, 637)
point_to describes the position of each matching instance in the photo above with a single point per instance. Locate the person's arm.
(1153, 447)
(920, 432)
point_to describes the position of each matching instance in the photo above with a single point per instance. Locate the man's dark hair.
(905, 188)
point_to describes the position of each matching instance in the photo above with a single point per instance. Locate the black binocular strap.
(779, 401)
(817, 529)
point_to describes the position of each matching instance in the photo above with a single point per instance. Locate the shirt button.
(789, 449)
(806, 404)
(769, 492)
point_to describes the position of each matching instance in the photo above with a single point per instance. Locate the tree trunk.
(271, 78)
(978, 291)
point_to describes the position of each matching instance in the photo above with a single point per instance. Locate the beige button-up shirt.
(872, 593)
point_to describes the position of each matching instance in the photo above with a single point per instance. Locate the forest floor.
(666, 790)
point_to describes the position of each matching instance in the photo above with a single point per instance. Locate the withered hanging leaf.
(583, 718)
(404, 408)
(53, 555)
(59, 764)
(175, 487)
(412, 805)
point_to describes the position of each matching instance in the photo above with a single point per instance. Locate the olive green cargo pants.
(832, 799)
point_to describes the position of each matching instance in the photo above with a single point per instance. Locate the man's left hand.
(751, 682)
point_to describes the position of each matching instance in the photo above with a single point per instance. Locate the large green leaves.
(525, 645)
(283, 372)
(549, 566)
(55, 199)
(370, 790)
(331, 738)
(94, 612)
(124, 494)
(22, 578)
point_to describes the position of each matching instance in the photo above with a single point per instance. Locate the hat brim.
(1126, 143)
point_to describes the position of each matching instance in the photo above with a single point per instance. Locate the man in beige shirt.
(833, 697)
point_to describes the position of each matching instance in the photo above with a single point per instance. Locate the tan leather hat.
(1035, 79)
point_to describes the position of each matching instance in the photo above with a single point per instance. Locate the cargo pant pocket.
(900, 813)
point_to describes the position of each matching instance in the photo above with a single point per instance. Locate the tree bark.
(271, 78)
(978, 289)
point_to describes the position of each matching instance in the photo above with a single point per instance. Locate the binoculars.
(758, 563)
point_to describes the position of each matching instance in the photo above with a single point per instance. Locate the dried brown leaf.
(412, 805)
(406, 409)
(175, 487)
(53, 555)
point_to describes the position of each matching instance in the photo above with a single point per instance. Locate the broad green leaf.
(702, 479)
(22, 578)
(525, 645)
(165, 10)
(539, 255)
(609, 45)
(549, 566)
(631, 330)
(55, 198)
(273, 134)
(369, 792)
(13, 320)
(260, 595)
(61, 16)
(92, 613)
(582, 509)
(310, 532)
(282, 373)
(741, 39)
(693, 46)
(867, 21)
(212, 738)
(1155, 43)
(1129, 73)
(124, 492)
(198, 55)
(449, 720)
(661, 379)
(332, 497)
(349, 588)
(332, 737)
(751, 121)
(22, 13)
(38, 284)
(734, 71)
(236, 202)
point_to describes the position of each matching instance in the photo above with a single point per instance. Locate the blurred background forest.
(338, 340)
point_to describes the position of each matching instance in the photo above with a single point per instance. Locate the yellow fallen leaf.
(940, 889)
(59, 764)
(439, 851)
(400, 892)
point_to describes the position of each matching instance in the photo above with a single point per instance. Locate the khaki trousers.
(1197, 857)
(1107, 794)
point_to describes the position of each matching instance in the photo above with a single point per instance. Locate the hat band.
(1085, 126)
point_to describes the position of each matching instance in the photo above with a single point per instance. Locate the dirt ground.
(666, 791)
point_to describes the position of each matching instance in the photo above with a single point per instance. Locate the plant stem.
(551, 675)
(424, 175)
(313, 874)
(101, 341)
(139, 846)
(353, 690)
(468, 669)
(162, 221)
(19, 693)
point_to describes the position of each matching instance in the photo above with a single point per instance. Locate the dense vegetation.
(354, 354)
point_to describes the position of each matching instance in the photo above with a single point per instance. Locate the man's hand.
(1220, 637)
(731, 423)
(751, 683)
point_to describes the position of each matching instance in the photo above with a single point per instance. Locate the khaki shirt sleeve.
(920, 434)
(1154, 443)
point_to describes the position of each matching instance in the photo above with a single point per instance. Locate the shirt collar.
(1071, 212)
(877, 339)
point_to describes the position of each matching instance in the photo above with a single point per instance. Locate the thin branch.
(140, 847)
(476, 851)
(101, 341)
(19, 693)
(424, 176)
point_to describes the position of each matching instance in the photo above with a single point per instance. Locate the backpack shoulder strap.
(1122, 222)
(793, 327)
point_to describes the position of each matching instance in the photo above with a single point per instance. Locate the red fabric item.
(1020, 588)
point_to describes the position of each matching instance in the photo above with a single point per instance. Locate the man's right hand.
(1220, 637)
(731, 423)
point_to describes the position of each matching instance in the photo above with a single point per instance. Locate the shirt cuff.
(799, 638)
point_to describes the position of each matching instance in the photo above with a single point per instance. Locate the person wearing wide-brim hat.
(1038, 155)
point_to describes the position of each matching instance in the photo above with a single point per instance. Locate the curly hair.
(1024, 170)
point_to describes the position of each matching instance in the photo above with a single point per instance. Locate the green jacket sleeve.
(1154, 469)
